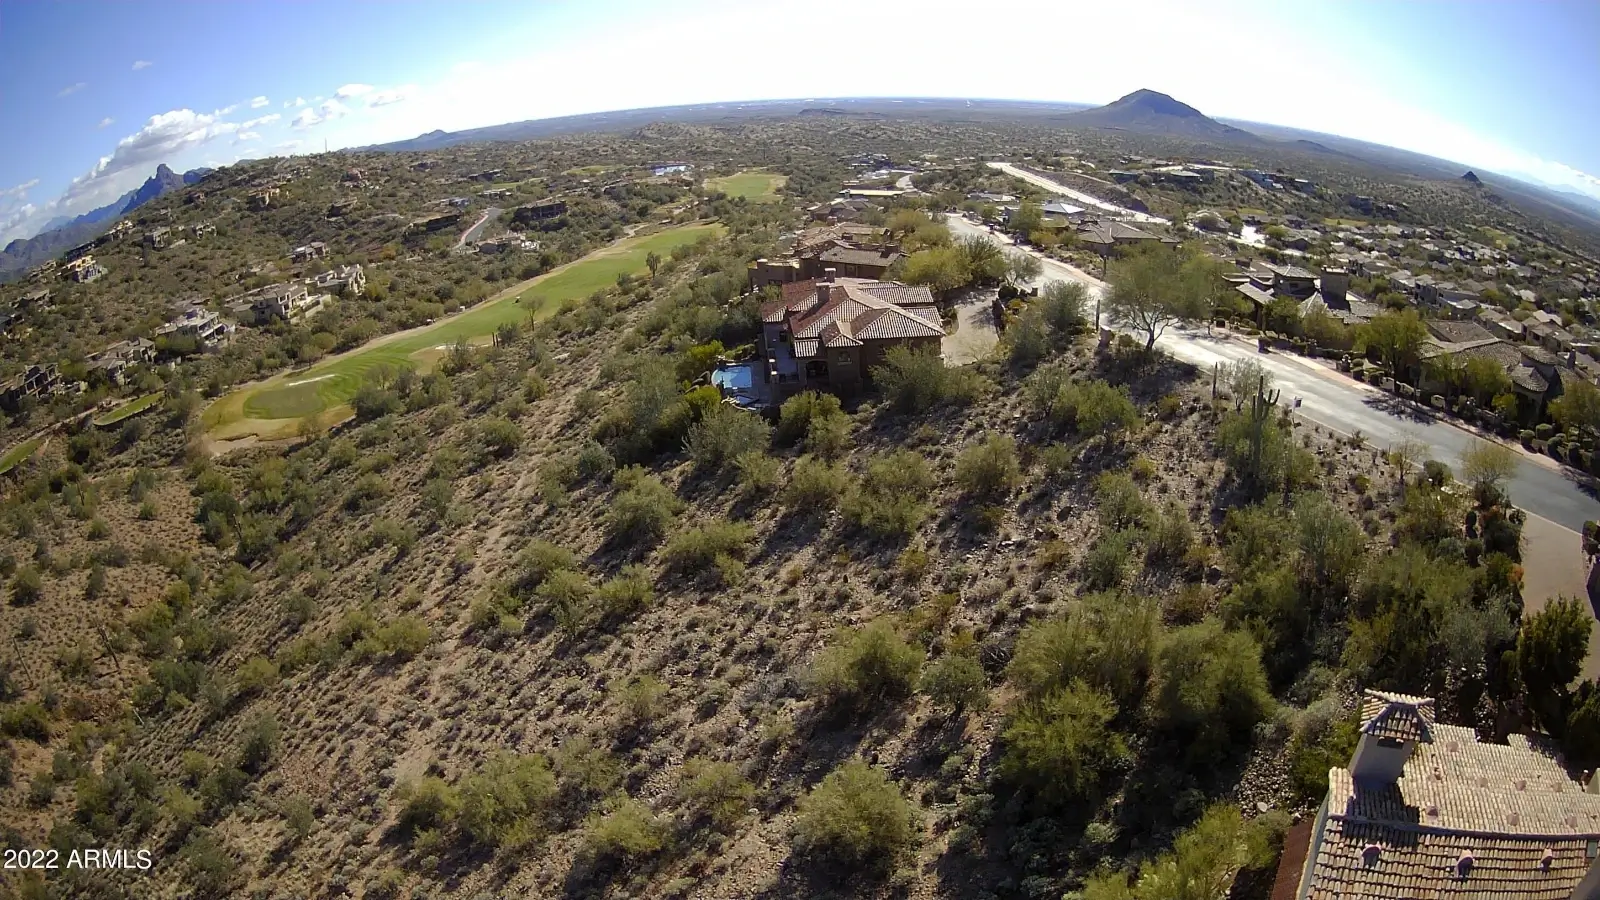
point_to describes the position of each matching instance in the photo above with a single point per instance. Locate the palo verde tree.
(1158, 287)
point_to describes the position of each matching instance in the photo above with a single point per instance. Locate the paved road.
(1080, 196)
(471, 234)
(1336, 401)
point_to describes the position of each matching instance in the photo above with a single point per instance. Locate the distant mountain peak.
(1155, 102)
(1471, 177)
(1152, 112)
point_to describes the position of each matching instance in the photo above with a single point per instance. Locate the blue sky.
(93, 95)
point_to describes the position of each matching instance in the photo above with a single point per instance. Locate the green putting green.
(19, 454)
(276, 403)
(757, 186)
(131, 408)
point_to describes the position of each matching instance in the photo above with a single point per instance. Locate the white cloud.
(226, 110)
(267, 119)
(306, 119)
(20, 190)
(142, 64)
(106, 121)
(161, 140)
(296, 102)
(395, 95)
(72, 89)
(259, 102)
(243, 136)
(352, 90)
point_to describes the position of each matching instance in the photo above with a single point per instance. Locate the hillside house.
(287, 302)
(339, 279)
(1426, 810)
(828, 333)
(1104, 237)
(39, 382)
(122, 229)
(84, 270)
(549, 208)
(201, 229)
(850, 261)
(262, 198)
(35, 300)
(207, 329)
(308, 252)
(433, 223)
(156, 238)
(43, 271)
(117, 359)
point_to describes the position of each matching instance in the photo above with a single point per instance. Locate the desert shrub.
(256, 675)
(1061, 746)
(1210, 688)
(1204, 861)
(757, 472)
(1256, 536)
(715, 791)
(644, 510)
(717, 546)
(1170, 536)
(856, 817)
(210, 867)
(1332, 545)
(627, 829)
(537, 562)
(1106, 564)
(400, 638)
(1551, 647)
(989, 469)
(1264, 459)
(426, 804)
(26, 586)
(1063, 307)
(506, 801)
(499, 436)
(815, 487)
(594, 461)
(569, 594)
(723, 434)
(890, 501)
(800, 411)
(1086, 407)
(1322, 741)
(26, 720)
(956, 683)
(1107, 641)
(1119, 502)
(586, 771)
(640, 700)
(867, 664)
(1268, 604)
(626, 594)
(918, 381)
(828, 437)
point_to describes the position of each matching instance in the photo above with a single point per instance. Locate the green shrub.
(1119, 502)
(918, 381)
(627, 830)
(1322, 742)
(570, 597)
(425, 804)
(829, 437)
(26, 587)
(715, 791)
(1061, 746)
(255, 676)
(956, 683)
(757, 472)
(626, 594)
(798, 412)
(815, 487)
(863, 665)
(26, 720)
(990, 469)
(723, 434)
(594, 461)
(717, 546)
(499, 436)
(1107, 640)
(1210, 687)
(507, 801)
(1106, 565)
(1086, 407)
(1171, 536)
(856, 817)
(644, 510)
(537, 562)
(891, 499)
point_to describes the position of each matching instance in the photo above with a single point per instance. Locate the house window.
(844, 358)
(783, 337)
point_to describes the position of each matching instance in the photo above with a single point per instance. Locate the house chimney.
(825, 286)
(1391, 727)
(1335, 284)
(830, 275)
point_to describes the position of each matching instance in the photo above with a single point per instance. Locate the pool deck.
(748, 390)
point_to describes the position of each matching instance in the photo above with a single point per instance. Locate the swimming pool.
(737, 381)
